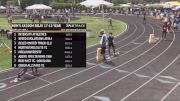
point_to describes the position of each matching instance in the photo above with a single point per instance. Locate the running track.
(141, 72)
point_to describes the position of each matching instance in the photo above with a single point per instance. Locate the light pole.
(19, 3)
(102, 10)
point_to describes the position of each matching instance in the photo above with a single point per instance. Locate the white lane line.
(24, 82)
(119, 40)
(136, 43)
(119, 79)
(2, 85)
(169, 77)
(78, 72)
(73, 74)
(141, 76)
(126, 29)
(53, 72)
(165, 81)
(105, 67)
(97, 76)
(102, 98)
(7, 78)
(40, 69)
(44, 80)
(89, 63)
(122, 71)
(14, 76)
(170, 91)
(154, 76)
(7, 70)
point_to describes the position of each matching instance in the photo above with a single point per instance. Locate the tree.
(59, 1)
(11, 2)
(3, 2)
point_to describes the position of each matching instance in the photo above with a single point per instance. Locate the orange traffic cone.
(6, 50)
(99, 56)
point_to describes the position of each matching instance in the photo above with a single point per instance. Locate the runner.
(24, 71)
(164, 31)
(35, 71)
(169, 24)
(111, 43)
(175, 24)
(20, 74)
(144, 17)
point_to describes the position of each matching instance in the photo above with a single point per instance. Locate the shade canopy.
(2, 7)
(168, 6)
(125, 5)
(96, 3)
(176, 8)
(38, 7)
(154, 5)
(173, 3)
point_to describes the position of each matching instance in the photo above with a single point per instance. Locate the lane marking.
(89, 63)
(25, 82)
(102, 98)
(77, 73)
(7, 70)
(169, 77)
(53, 72)
(136, 43)
(165, 81)
(145, 76)
(141, 76)
(121, 71)
(104, 67)
(157, 73)
(150, 79)
(170, 91)
(44, 80)
(31, 75)
(97, 76)
(2, 85)
(120, 78)
(72, 74)
(14, 76)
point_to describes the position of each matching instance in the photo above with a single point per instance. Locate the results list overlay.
(49, 45)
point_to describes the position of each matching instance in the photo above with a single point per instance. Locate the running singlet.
(110, 40)
(164, 28)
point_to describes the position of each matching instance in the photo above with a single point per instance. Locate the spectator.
(103, 45)
(110, 23)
